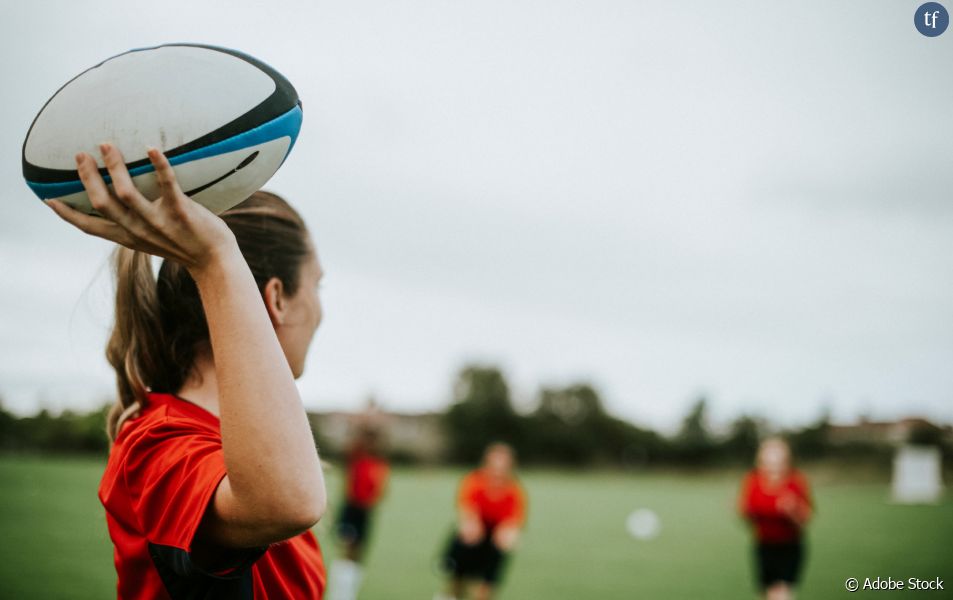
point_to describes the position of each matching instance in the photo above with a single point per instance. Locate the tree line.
(569, 426)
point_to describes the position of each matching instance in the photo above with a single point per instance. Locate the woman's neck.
(201, 388)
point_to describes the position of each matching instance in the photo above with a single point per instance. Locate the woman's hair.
(160, 324)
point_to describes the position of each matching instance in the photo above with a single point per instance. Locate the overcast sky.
(751, 201)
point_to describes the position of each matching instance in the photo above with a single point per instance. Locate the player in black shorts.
(366, 480)
(491, 509)
(775, 498)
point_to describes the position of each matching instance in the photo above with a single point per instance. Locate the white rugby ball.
(225, 120)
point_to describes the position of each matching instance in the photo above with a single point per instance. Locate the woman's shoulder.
(797, 478)
(751, 476)
(166, 416)
(167, 430)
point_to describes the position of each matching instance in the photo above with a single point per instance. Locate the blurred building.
(406, 436)
(887, 432)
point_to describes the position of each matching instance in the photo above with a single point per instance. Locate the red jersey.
(760, 503)
(161, 475)
(366, 479)
(494, 502)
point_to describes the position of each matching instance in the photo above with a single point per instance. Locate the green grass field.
(55, 543)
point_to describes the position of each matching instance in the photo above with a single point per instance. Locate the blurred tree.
(571, 427)
(694, 444)
(813, 441)
(481, 413)
(8, 428)
(90, 431)
(563, 429)
(46, 432)
(573, 405)
(627, 445)
(924, 433)
(743, 438)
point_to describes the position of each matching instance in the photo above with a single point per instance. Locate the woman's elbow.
(304, 513)
(314, 511)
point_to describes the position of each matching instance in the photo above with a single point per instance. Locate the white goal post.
(917, 475)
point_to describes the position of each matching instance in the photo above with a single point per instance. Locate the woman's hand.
(794, 509)
(506, 537)
(470, 530)
(172, 226)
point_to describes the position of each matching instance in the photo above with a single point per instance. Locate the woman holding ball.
(776, 500)
(213, 461)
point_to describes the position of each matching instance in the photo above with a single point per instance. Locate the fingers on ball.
(165, 175)
(96, 190)
(123, 187)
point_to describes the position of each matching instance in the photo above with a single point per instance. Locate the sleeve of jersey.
(754, 505)
(374, 479)
(517, 515)
(744, 497)
(382, 475)
(467, 495)
(803, 490)
(173, 471)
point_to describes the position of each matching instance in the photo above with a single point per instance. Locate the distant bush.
(68, 431)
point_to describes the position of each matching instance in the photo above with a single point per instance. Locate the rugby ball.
(225, 120)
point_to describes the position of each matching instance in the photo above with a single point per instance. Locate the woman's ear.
(274, 298)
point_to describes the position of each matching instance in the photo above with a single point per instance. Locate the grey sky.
(750, 200)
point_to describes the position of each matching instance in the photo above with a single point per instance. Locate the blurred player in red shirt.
(367, 474)
(491, 511)
(776, 499)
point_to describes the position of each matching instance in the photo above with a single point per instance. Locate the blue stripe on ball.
(287, 125)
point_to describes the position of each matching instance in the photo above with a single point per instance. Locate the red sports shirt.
(759, 502)
(161, 475)
(366, 479)
(495, 502)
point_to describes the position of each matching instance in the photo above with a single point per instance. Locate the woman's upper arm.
(231, 523)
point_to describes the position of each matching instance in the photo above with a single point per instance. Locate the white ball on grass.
(643, 524)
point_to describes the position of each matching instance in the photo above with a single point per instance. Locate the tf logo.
(931, 19)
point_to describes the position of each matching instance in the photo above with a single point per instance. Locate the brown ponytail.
(160, 324)
(135, 336)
